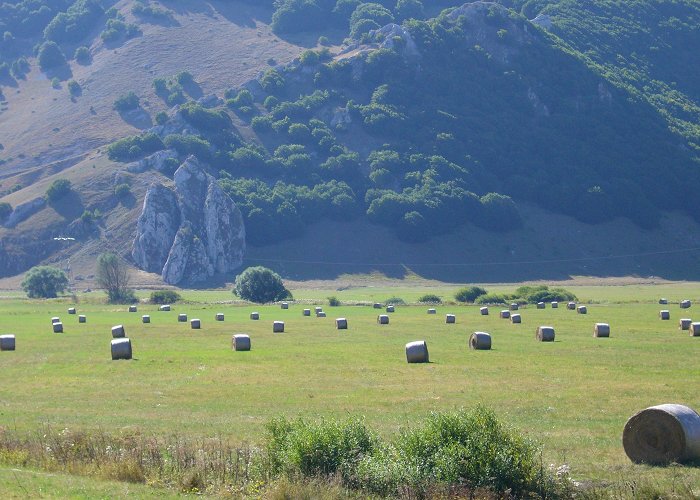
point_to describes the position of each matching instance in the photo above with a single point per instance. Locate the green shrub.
(261, 285)
(44, 282)
(542, 293)
(396, 301)
(469, 294)
(135, 146)
(126, 102)
(58, 189)
(165, 297)
(50, 56)
(333, 301)
(74, 88)
(161, 118)
(495, 298)
(82, 55)
(5, 210)
(430, 298)
(122, 190)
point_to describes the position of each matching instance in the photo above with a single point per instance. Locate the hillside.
(553, 137)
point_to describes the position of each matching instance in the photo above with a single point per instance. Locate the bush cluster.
(165, 297)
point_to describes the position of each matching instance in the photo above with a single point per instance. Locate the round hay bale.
(480, 341)
(71, 310)
(318, 309)
(663, 434)
(377, 305)
(341, 323)
(450, 319)
(219, 316)
(571, 306)
(383, 319)
(484, 311)
(284, 305)
(432, 311)
(278, 327)
(145, 318)
(82, 319)
(684, 323)
(165, 307)
(685, 304)
(390, 309)
(7, 342)
(58, 327)
(664, 314)
(514, 307)
(182, 318)
(582, 310)
(118, 332)
(505, 314)
(55, 320)
(255, 316)
(417, 352)
(307, 312)
(540, 305)
(240, 342)
(694, 329)
(545, 334)
(320, 314)
(555, 305)
(196, 324)
(133, 309)
(601, 330)
(663, 301)
(515, 319)
(121, 349)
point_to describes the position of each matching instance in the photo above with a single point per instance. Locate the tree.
(260, 284)
(44, 282)
(5, 210)
(58, 189)
(113, 276)
(50, 56)
(469, 294)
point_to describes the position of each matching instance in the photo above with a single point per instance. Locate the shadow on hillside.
(70, 207)
(193, 89)
(8, 81)
(138, 118)
(165, 22)
(62, 72)
(188, 7)
(242, 15)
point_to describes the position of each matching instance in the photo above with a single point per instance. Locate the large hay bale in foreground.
(182, 318)
(145, 318)
(571, 306)
(58, 327)
(694, 329)
(582, 310)
(307, 312)
(118, 332)
(383, 319)
(82, 319)
(665, 314)
(685, 304)
(390, 309)
(55, 320)
(450, 319)
(684, 323)
(196, 324)
(480, 341)
(432, 311)
(601, 330)
(71, 310)
(341, 323)
(417, 352)
(540, 305)
(133, 309)
(121, 349)
(515, 319)
(255, 316)
(514, 307)
(505, 314)
(555, 305)
(240, 342)
(278, 327)
(663, 434)
(663, 301)
(545, 333)
(7, 342)
(219, 316)
(165, 307)
(484, 311)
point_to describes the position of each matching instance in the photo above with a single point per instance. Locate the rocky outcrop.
(191, 232)
(393, 33)
(157, 161)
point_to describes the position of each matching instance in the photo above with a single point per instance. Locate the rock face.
(190, 233)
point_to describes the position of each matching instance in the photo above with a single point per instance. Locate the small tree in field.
(260, 284)
(44, 282)
(113, 276)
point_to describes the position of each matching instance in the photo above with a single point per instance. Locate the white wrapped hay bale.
(417, 352)
(663, 301)
(450, 319)
(432, 311)
(555, 305)
(685, 304)
(133, 309)
(684, 323)
(665, 314)
(480, 341)
(58, 327)
(284, 305)
(278, 327)
(571, 306)
(601, 330)
(582, 310)
(7, 342)
(540, 305)
(663, 434)
(82, 319)
(121, 349)
(694, 329)
(307, 312)
(71, 310)
(182, 318)
(390, 309)
(484, 311)
(240, 342)
(377, 305)
(545, 333)
(515, 319)
(145, 318)
(196, 324)
(118, 332)
(165, 307)
(55, 320)
(341, 323)
(383, 319)
(219, 316)
(318, 309)
(320, 314)
(505, 314)
(514, 307)
(255, 316)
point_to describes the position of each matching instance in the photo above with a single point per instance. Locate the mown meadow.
(573, 396)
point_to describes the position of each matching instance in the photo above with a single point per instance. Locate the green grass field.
(573, 396)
